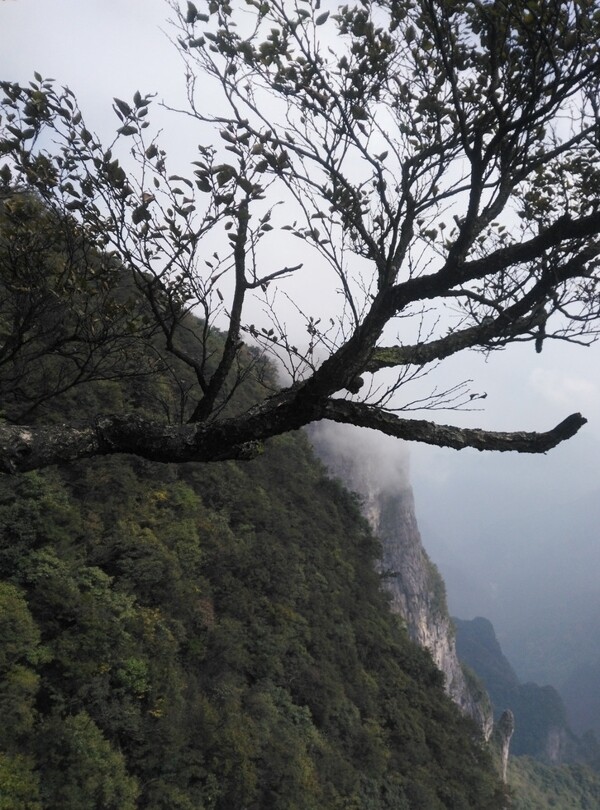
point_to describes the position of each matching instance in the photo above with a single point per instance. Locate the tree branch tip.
(570, 426)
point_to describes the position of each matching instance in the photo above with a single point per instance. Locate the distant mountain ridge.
(541, 726)
(531, 568)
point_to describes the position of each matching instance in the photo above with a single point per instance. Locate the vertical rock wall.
(416, 587)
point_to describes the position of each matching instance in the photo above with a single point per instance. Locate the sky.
(494, 523)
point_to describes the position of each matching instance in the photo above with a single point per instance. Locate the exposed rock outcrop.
(415, 585)
(541, 729)
(503, 731)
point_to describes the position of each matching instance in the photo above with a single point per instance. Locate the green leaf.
(128, 129)
(192, 13)
(122, 106)
(140, 214)
(322, 18)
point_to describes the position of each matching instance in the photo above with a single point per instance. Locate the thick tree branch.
(25, 448)
(561, 231)
(358, 413)
(355, 355)
(479, 335)
(518, 319)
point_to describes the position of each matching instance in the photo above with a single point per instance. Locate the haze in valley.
(517, 538)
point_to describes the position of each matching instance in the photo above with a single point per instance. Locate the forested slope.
(192, 637)
(537, 786)
(213, 637)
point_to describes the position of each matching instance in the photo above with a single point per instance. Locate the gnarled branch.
(357, 413)
(29, 448)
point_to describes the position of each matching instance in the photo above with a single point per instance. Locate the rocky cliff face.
(504, 729)
(416, 587)
(418, 593)
(540, 723)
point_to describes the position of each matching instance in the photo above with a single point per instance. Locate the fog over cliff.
(519, 544)
(515, 537)
(386, 459)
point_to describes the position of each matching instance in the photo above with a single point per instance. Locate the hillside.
(548, 765)
(196, 637)
(213, 637)
(378, 471)
(541, 727)
(537, 786)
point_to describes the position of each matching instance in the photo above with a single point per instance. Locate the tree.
(65, 315)
(431, 154)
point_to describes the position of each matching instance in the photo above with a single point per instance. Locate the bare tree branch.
(357, 413)
(438, 162)
(31, 448)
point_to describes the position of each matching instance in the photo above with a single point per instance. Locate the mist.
(516, 538)
(385, 461)
(517, 542)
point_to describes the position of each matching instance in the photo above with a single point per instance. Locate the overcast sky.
(106, 48)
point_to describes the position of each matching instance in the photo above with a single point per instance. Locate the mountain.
(202, 637)
(535, 785)
(213, 637)
(416, 588)
(467, 653)
(517, 541)
(541, 727)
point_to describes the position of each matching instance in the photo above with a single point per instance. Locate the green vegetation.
(537, 786)
(541, 729)
(437, 586)
(198, 636)
(208, 637)
(213, 637)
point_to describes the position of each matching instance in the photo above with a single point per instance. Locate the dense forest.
(198, 635)
(195, 636)
(213, 637)
(536, 785)
(186, 636)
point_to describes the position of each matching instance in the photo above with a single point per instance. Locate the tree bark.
(420, 430)
(24, 448)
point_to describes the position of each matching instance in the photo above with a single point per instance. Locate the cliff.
(541, 727)
(413, 582)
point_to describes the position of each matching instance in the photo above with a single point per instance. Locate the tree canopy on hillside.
(440, 159)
